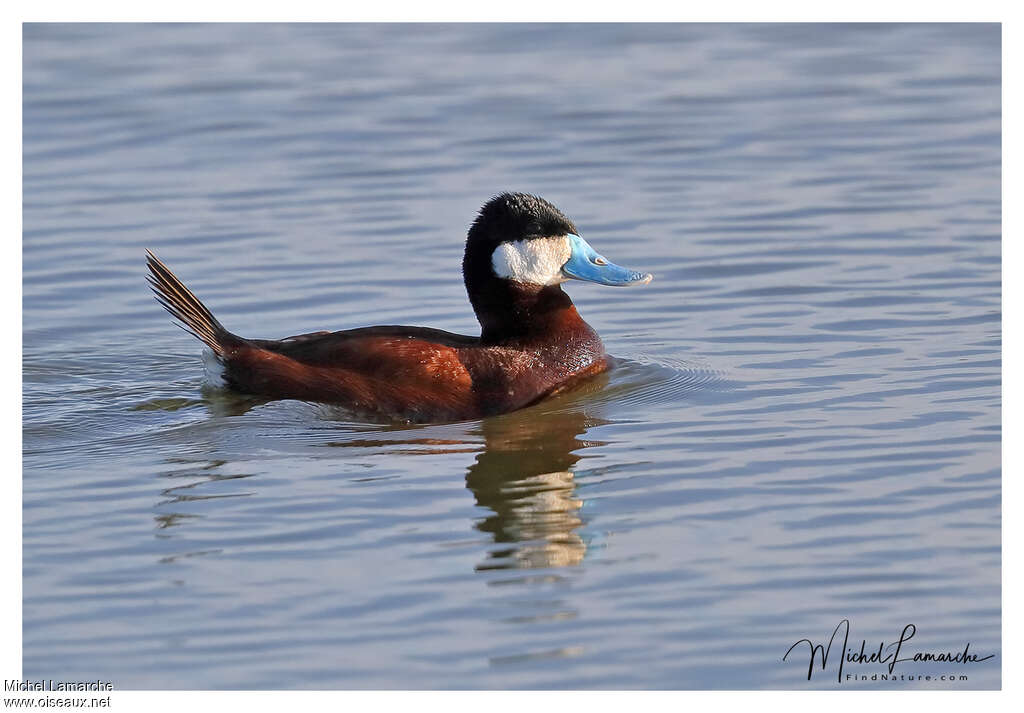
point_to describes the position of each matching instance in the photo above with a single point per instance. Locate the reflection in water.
(196, 474)
(524, 475)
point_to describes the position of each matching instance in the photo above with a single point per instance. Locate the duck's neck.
(516, 312)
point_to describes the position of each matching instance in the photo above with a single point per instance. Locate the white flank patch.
(214, 369)
(536, 262)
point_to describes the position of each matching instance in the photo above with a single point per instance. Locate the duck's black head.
(519, 250)
(518, 216)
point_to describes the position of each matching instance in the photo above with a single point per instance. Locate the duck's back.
(414, 373)
(407, 373)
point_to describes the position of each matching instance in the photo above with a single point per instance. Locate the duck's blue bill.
(586, 264)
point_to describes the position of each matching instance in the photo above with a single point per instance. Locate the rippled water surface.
(802, 425)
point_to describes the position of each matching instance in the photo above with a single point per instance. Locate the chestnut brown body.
(418, 374)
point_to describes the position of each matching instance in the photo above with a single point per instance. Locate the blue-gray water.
(803, 425)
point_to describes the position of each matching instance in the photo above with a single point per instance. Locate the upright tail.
(186, 307)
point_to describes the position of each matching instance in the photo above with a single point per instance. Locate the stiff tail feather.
(184, 306)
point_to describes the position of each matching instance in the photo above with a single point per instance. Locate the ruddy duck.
(532, 342)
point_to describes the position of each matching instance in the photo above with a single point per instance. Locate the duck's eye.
(600, 260)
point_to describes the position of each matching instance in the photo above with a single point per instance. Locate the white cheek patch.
(536, 262)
